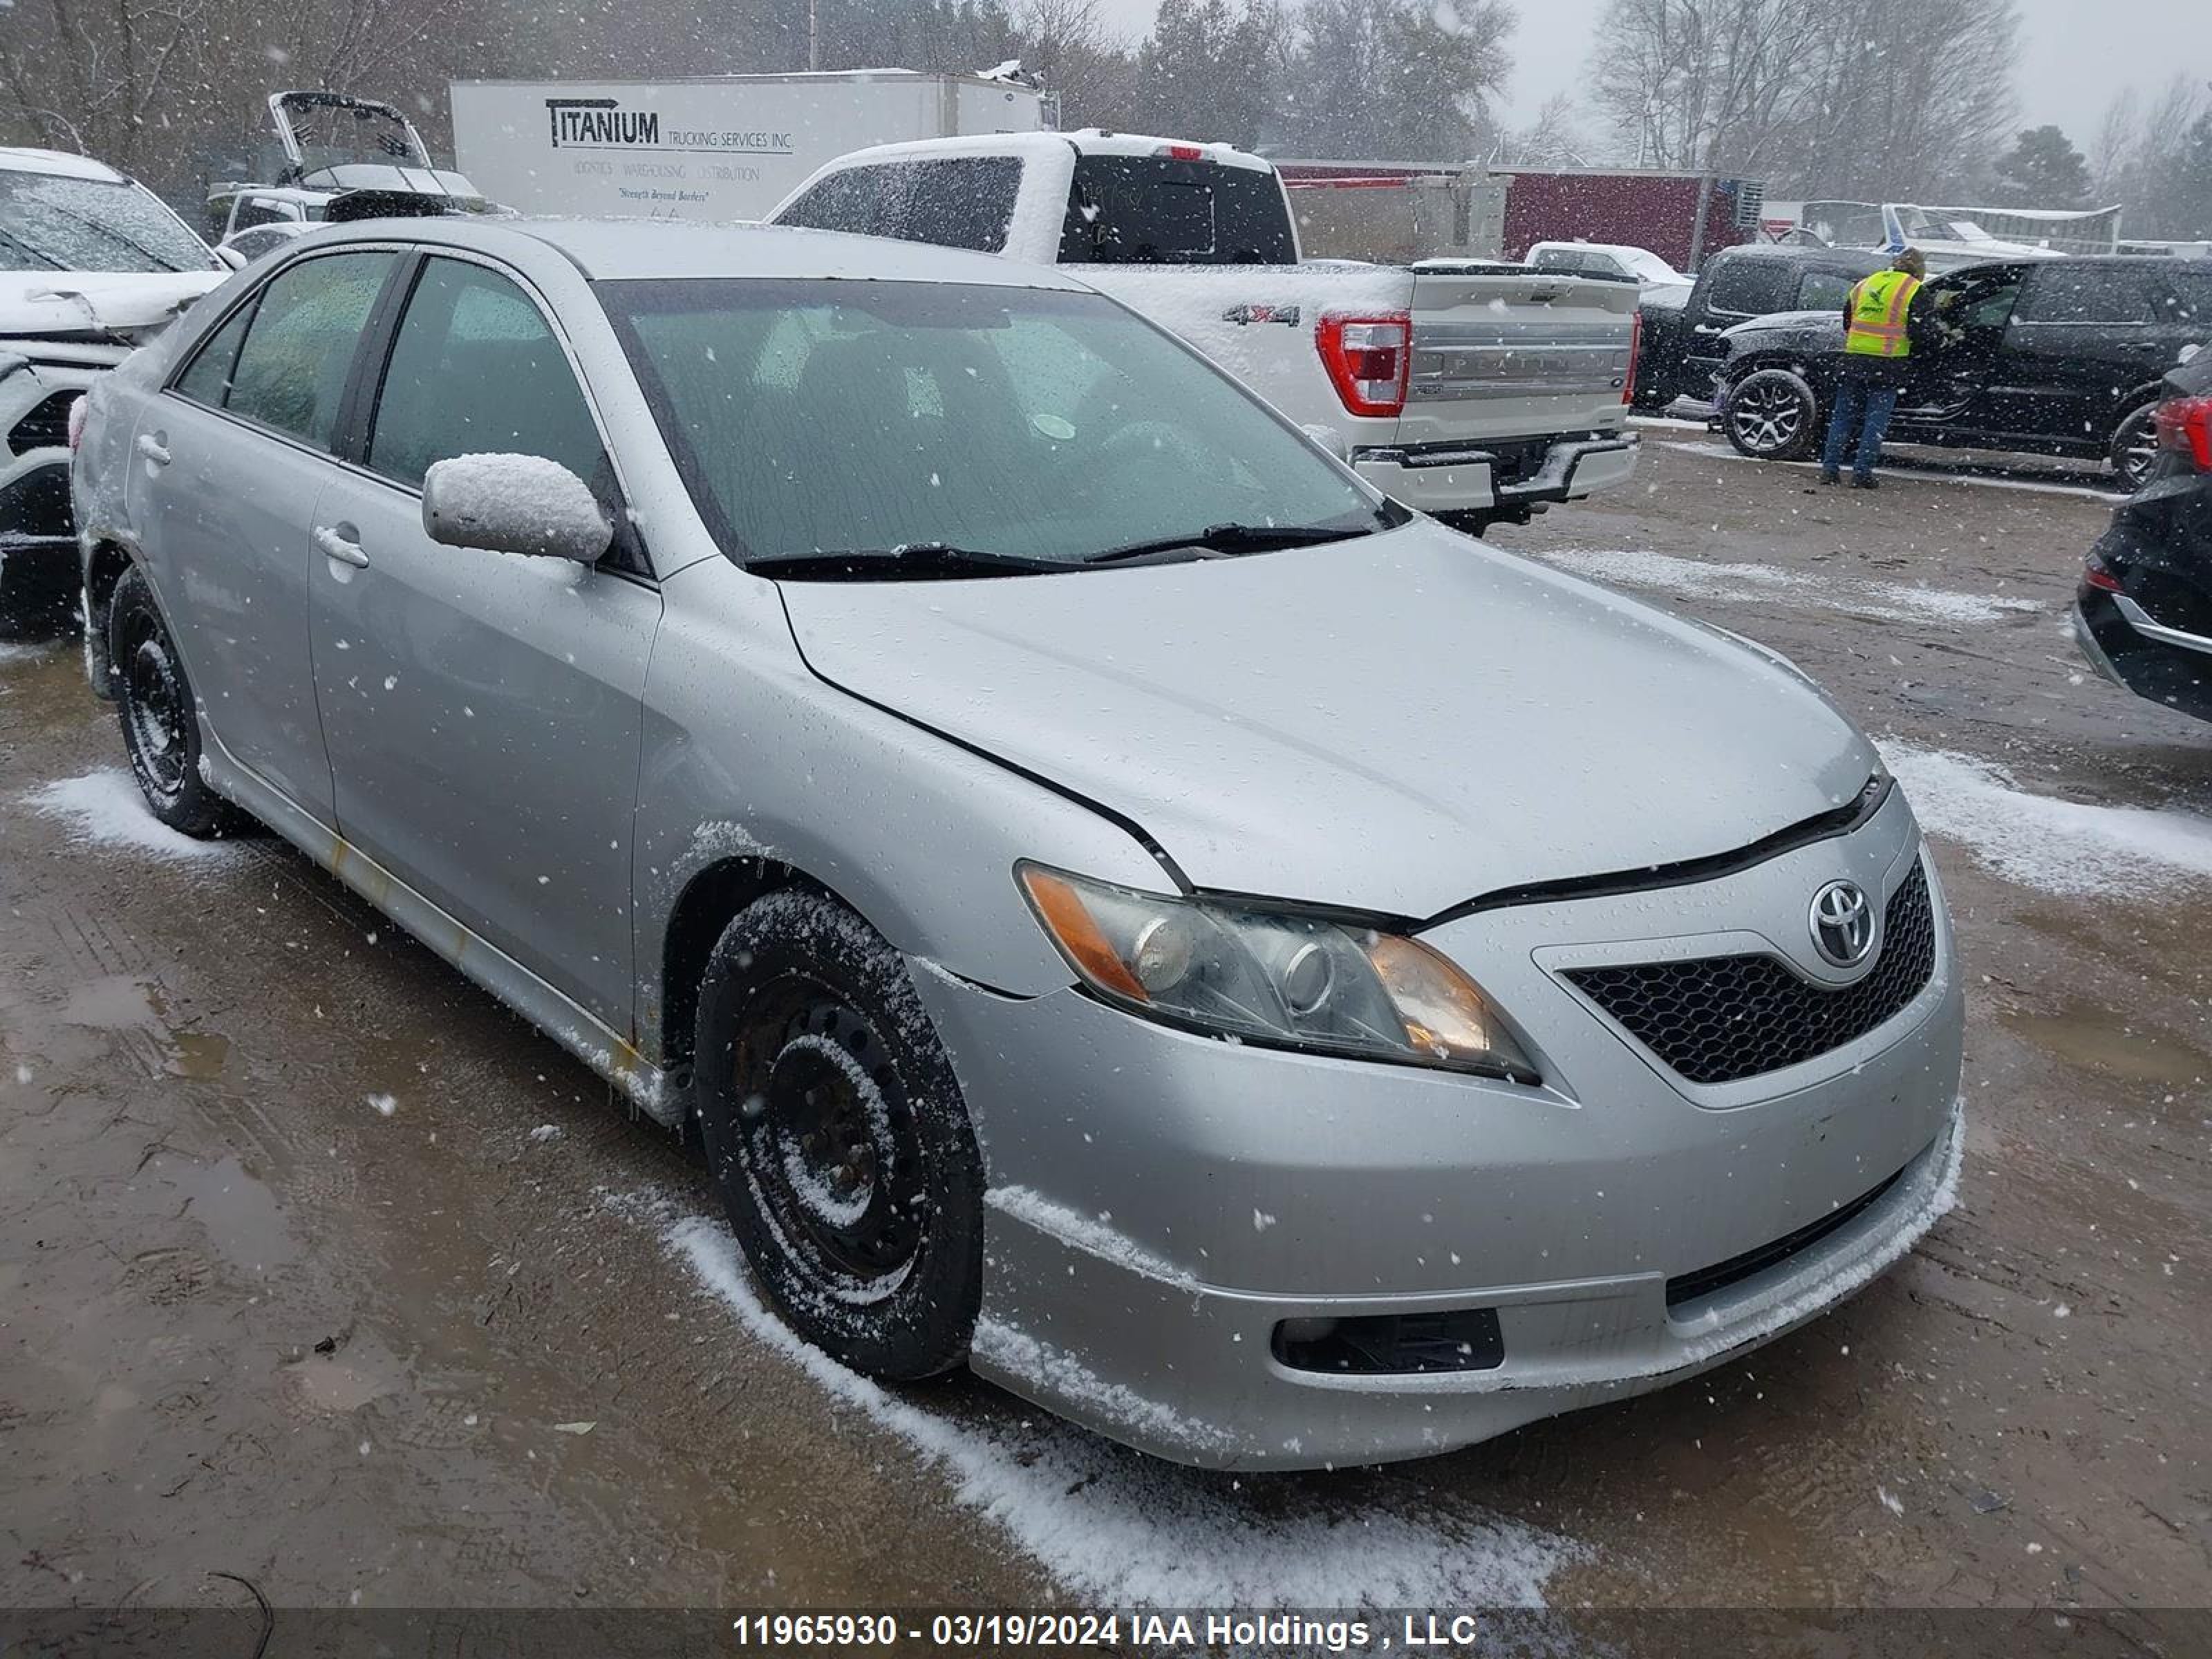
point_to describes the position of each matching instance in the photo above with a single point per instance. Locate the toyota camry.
(1128, 909)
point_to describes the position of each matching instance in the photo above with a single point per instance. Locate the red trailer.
(1641, 207)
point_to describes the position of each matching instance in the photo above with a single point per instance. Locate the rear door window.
(1752, 288)
(958, 201)
(1142, 210)
(476, 369)
(2065, 292)
(298, 350)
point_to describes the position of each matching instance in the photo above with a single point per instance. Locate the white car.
(1620, 262)
(91, 266)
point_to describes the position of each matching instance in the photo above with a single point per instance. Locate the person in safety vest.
(1877, 342)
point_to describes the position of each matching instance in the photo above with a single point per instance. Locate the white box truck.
(708, 148)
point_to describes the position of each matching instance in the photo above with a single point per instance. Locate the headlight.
(1268, 976)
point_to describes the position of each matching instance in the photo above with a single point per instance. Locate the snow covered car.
(91, 266)
(1130, 907)
(1619, 262)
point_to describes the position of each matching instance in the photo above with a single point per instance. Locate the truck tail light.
(2184, 425)
(1635, 350)
(1369, 360)
(1182, 152)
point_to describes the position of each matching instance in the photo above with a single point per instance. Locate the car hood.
(1800, 322)
(1395, 724)
(119, 302)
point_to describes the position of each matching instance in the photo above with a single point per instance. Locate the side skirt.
(649, 1088)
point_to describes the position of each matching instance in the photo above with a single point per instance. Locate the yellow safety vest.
(1879, 305)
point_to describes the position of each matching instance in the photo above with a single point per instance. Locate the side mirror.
(514, 504)
(231, 257)
(1329, 438)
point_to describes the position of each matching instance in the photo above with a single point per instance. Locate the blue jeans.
(1865, 405)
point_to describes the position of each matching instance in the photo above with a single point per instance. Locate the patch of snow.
(1127, 1530)
(1745, 584)
(2038, 841)
(20, 653)
(546, 1132)
(1719, 451)
(1890, 1501)
(107, 807)
(383, 1105)
(1095, 1236)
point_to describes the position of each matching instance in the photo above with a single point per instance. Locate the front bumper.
(1460, 478)
(1161, 1203)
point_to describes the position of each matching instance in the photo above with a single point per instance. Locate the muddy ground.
(318, 1269)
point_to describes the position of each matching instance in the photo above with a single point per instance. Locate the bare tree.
(1878, 99)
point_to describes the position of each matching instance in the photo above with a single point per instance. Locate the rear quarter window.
(1751, 288)
(958, 201)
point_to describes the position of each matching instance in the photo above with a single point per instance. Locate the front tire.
(836, 1133)
(2135, 447)
(1773, 415)
(161, 717)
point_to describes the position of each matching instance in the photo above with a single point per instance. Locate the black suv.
(2053, 357)
(1683, 347)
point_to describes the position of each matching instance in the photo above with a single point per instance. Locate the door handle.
(151, 446)
(333, 544)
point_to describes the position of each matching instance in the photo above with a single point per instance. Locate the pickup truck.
(1481, 394)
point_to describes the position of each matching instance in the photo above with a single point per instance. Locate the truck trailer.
(707, 148)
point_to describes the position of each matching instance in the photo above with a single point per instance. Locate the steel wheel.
(832, 1142)
(155, 705)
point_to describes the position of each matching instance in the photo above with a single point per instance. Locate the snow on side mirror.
(514, 504)
(231, 257)
(1330, 440)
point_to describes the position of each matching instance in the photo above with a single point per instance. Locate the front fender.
(748, 755)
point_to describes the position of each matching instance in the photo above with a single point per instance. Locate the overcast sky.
(2075, 54)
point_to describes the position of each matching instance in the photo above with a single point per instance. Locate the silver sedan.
(1129, 909)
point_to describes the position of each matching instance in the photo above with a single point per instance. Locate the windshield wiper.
(1234, 538)
(907, 559)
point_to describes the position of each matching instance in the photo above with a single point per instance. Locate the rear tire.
(2135, 447)
(160, 717)
(1772, 415)
(836, 1133)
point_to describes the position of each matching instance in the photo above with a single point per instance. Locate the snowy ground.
(317, 1268)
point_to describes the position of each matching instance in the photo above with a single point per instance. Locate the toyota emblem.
(1842, 924)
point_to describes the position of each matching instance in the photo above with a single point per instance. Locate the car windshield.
(1023, 425)
(53, 223)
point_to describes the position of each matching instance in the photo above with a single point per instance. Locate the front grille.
(1716, 1019)
(46, 427)
(1690, 1287)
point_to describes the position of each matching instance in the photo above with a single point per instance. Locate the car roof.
(1087, 141)
(621, 250)
(56, 163)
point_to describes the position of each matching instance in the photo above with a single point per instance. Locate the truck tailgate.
(1506, 356)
